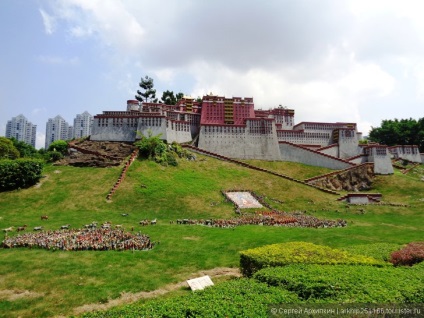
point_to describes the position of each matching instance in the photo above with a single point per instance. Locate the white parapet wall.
(238, 143)
(113, 129)
(294, 153)
(381, 158)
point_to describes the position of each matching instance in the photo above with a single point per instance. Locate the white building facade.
(21, 129)
(57, 129)
(82, 125)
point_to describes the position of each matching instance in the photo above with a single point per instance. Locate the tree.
(7, 149)
(399, 132)
(25, 150)
(168, 98)
(179, 96)
(59, 146)
(148, 93)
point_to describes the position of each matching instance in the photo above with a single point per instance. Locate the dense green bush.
(19, 173)
(234, 298)
(8, 149)
(52, 156)
(59, 146)
(347, 283)
(154, 148)
(411, 254)
(379, 251)
(253, 260)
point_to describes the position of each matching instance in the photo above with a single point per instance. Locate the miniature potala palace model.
(233, 128)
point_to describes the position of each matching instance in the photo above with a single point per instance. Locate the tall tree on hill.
(399, 132)
(179, 96)
(169, 98)
(148, 93)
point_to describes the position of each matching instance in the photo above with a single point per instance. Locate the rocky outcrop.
(96, 154)
(358, 178)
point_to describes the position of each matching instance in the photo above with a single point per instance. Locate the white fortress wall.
(293, 153)
(178, 131)
(237, 141)
(348, 143)
(359, 160)
(114, 129)
(156, 125)
(304, 138)
(332, 150)
(381, 158)
(407, 152)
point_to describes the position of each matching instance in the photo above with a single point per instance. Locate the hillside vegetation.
(43, 283)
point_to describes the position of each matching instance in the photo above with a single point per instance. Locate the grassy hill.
(57, 282)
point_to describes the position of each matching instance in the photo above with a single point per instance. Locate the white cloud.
(48, 21)
(110, 21)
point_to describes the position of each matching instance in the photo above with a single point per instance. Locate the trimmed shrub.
(379, 251)
(52, 156)
(347, 283)
(19, 173)
(253, 260)
(234, 298)
(411, 254)
(59, 146)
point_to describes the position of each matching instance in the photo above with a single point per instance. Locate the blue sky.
(330, 60)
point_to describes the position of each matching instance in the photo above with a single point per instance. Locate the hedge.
(255, 259)
(348, 283)
(234, 298)
(19, 173)
(379, 251)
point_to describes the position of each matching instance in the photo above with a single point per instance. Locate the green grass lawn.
(60, 281)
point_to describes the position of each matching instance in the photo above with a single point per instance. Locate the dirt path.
(127, 298)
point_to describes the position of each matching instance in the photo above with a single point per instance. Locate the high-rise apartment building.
(82, 125)
(57, 129)
(21, 129)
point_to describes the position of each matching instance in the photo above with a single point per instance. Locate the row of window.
(286, 134)
(224, 130)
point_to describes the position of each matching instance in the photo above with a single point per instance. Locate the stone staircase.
(123, 173)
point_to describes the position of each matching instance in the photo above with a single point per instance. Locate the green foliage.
(154, 148)
(26, 150)
(234, 298)
(19, 173)
(7, 149)
(399, 132)
(379, 251)
(169, 98)
(59, 146)
(347, 283)
(52, 156)
(148, 93)
(253, 260)
(411, 254)
(179, 150)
